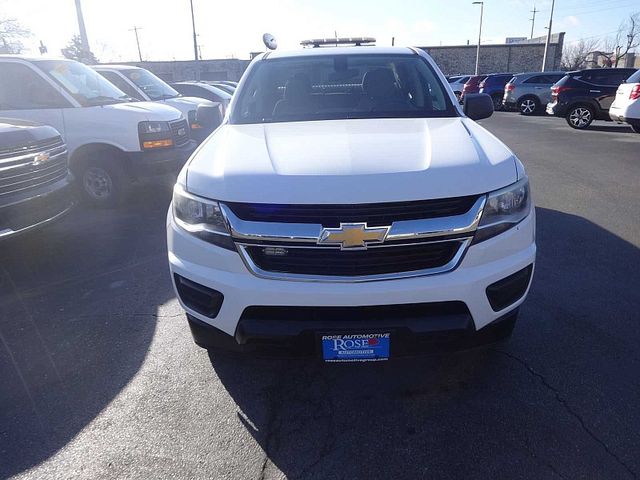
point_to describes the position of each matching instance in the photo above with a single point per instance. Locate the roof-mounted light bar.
(334, 42)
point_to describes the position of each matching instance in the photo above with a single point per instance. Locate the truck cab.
(111, 140)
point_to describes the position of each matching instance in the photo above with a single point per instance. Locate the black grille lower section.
(176, 128)
(375, 214)
(334, 262)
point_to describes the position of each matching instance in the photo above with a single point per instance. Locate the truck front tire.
(102, 181)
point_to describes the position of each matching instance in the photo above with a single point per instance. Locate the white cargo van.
(112, 141)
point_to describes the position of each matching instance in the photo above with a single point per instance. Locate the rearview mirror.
(478, 106)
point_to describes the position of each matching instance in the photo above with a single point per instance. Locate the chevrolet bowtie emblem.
(352, 235)
(40, 158)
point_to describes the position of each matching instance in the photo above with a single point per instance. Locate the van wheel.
(528, 105)
(580, 116)
(102, 181)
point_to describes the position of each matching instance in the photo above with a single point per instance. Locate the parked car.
(586, 95)
(528, 92)
(457, 84)
(143, 85)
(111, 141)
(35, 182)
(493, 85)
(472, 85)
(626, 106)
(225, 87)
(204, 90)
(361, 219)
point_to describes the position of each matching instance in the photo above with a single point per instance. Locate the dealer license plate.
(356, 347)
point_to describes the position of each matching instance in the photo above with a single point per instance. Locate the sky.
(234, 28)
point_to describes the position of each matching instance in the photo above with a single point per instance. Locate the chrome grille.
(32, 166)
(179, 132)
(414, 244)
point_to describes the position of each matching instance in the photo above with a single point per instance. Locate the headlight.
(201, 217)
(153, 127)
(154, 135)
(504, 209)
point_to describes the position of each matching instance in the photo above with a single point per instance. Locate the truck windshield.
(343, 86)
(155, 88)
(87, 86)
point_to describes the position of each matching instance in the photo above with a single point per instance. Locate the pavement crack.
(569, 409)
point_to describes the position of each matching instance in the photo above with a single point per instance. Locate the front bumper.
(223, 271)
(149, 163)
(34, 208)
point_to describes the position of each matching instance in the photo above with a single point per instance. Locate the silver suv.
(529, 92)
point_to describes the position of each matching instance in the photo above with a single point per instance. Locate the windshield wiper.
(165, 96)
(103, 99)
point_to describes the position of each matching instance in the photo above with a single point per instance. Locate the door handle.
(595, 91)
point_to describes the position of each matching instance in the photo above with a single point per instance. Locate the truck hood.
(145, 110)
(349, 161)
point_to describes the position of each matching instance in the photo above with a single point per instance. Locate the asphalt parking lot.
(99, 377)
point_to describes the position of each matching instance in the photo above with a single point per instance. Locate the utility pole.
(533, 19)
(546, 45)
(83, 31)
(195, 42)
(135, 29)
(479, 35)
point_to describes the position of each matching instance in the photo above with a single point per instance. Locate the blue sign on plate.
(357, 347)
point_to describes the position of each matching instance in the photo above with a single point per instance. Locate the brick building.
(522, 56)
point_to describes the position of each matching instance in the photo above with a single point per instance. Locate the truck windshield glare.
(155, 88)
(328, 87)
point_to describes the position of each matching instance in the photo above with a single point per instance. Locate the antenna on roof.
(269, 41)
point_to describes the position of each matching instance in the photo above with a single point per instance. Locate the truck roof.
(308, 52)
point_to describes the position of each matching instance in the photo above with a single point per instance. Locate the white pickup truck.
(349, 207)
(111, 140)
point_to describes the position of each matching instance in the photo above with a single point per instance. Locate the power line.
(533, 19)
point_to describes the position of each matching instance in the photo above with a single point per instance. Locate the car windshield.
(87, 86)
(330, 87)
(155, 88)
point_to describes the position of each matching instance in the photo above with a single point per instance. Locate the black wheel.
(497, 102)
(636, 127)
(580, 116)
(101, 180)
(528, 105)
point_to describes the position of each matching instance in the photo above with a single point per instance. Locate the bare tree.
(75, 51)
(626, 39)
(11, 35)
(574, 55)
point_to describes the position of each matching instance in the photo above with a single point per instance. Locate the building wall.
(175, 71)
(525, 56)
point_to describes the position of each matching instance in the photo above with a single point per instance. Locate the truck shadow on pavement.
(78, 305)
(558, 401)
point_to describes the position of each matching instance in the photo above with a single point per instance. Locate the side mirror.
(209, 116)
(478, 106)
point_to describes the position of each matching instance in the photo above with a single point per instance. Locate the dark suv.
(35, 183)
(493, 86)
(586, 95)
